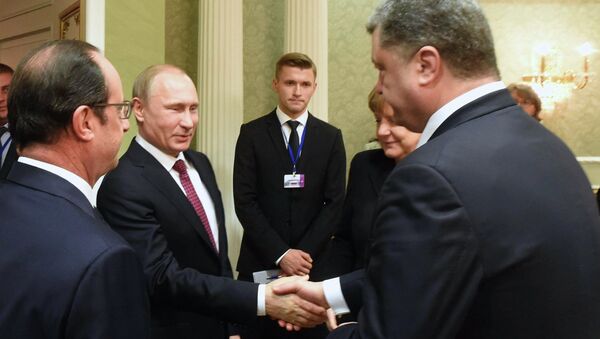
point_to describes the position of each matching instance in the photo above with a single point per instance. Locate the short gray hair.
(458, 29)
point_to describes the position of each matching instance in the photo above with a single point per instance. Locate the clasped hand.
(297, 302)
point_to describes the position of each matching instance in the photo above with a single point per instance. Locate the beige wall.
(518, 26)
(263, 45)
(134, 42)
(351, 73)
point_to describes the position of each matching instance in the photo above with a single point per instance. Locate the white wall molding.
(95, 21)
(221, 93)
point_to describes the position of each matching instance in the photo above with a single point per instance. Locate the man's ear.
(138, 109)
(429, 65)
(274, 85)
(82, 124)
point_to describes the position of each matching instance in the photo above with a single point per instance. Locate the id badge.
(293, 181)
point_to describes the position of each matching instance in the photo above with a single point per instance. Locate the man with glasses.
(8, 151)
(65, 273)
(164, 200)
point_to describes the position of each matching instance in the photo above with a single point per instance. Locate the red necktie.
(193, 198)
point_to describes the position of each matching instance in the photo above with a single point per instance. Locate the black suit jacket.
(65, 273)
(368, 171)
(275, 218)
(451, 260)
(11, 157)
(190, 285)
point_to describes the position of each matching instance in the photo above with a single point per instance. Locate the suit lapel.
(489, 103)
(158, 177)
(274, 130)
(311, 142)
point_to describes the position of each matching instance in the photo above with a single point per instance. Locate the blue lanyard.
(3, 146)
(295, 158)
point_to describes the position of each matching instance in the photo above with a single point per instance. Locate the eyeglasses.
(123, 108)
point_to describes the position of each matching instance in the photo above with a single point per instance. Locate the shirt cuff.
(260, 300)
(334, 296)
(283, 255)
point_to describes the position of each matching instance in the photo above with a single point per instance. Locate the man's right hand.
(292, 309)
(296, 262)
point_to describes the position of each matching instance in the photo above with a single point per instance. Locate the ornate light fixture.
(551, 83)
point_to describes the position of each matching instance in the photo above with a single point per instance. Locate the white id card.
(265, 277)
(293, 181)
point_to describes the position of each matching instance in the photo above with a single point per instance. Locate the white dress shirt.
(286, 130)
(331, 287)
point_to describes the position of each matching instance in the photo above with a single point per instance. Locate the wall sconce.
(551, 83)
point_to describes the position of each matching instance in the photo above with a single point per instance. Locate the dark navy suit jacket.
(489, 230)
(190, 285)
(65, 273)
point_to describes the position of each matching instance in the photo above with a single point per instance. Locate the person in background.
(368, 171)
(65, 273)
(288, 185)
(8, 151)
(527, 98)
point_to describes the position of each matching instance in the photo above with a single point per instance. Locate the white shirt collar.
(69, 176)
(454, 105)
(166, 160)
(283, 118)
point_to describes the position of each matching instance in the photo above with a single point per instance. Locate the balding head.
(49, 84)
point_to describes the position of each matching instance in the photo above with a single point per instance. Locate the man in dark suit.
(288, 181)
(488, 229)
(8, 151)
(65, 273)
(164, 200)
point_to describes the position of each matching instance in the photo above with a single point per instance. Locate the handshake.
(296, 303)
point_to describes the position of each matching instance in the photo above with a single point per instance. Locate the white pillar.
(306, 32)
(95, 23)
(221, 92)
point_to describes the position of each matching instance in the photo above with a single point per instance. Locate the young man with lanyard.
(289, 178)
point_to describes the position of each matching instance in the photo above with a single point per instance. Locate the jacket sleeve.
(423, 271)
(326, 222)
(125, 205)
(257, 229)
(343, 253)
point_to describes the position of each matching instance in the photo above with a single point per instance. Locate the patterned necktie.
(2, 131)
(293, 142)
(193, 198)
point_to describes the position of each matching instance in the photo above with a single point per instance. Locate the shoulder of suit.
(196, 155)
(324, 127)
(369, 155)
